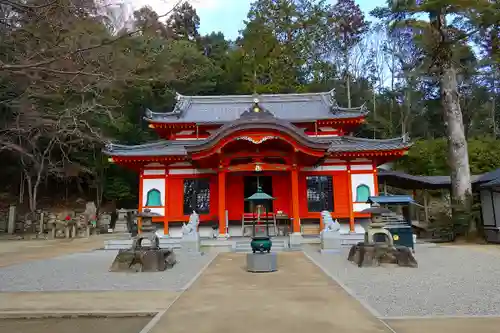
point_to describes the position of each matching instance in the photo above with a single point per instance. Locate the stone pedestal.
(191, 243)
(331, 242)
(262, 262)
(296, 240)
(121, 224)
(372, 255)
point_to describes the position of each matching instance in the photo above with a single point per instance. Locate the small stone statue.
(330, 224)
(91, 213)
(190, 238)
(331, 241)
(104, 221)
(191, 227)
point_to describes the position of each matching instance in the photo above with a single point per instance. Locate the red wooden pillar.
(351, 201)
(295, 199)
(141, 204)
(375, 179)
(166, 204)
(222, 201)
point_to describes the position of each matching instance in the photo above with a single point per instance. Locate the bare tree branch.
(37, 65)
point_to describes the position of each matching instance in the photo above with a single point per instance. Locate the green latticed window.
(362, 193)
(154, 198)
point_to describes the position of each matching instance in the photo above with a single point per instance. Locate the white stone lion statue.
(192, 226)
(329, 223)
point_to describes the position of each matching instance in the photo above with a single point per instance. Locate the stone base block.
(366, 255)
(331, 243)
(262, 262)
(296, 240)
(119, 228)
(143, 260)
(190, 245)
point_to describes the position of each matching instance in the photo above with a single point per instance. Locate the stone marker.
(190, 241)
(104, 221)
(121, 225)
(330, 236)
(41, 231)
(11, 226)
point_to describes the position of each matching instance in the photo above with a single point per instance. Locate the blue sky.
(228, 15)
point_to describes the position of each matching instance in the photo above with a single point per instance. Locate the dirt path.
(17, 252)
(297, 298)
(74, 325)
(85, 301)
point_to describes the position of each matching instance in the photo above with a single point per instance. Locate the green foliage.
(429, 157)
(119, 189)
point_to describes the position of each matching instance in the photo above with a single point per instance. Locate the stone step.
(351, 241)
(248, 247)
(244, 245)
(118, 244)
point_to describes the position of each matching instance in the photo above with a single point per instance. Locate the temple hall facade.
(216, 150)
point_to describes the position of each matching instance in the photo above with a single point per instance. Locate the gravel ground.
(89, 272)
(448, 282)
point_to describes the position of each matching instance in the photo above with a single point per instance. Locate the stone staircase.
(243, 245)
(236, 244)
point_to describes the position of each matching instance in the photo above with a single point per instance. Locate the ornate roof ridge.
(241, 96)
(184, 103)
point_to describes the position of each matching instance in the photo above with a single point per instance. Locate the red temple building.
(215, 149)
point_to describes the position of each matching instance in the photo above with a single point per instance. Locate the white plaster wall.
(190, 171)
(361, 167)
(150, 172)
(367, 179)
(149, 184)
(357, 206)
(326, 168)
(154, 165)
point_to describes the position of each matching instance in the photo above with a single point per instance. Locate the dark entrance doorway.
(250, 187)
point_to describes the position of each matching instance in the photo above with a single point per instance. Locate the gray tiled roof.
(223, 109)
(349, 143)
(403, 180)
(182, 147)
(159, 148)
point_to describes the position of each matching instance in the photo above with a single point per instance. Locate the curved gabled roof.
(223, 109)
(354, 144)
(184, 147)
(262, 120)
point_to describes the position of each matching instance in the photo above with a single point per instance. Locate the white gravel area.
(449, 281)
(90, 272)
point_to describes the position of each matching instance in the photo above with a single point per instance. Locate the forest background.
(75, 74)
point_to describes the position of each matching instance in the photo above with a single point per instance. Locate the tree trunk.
(494, 99)
(347, 79)
(458, 156)
(461, 189)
